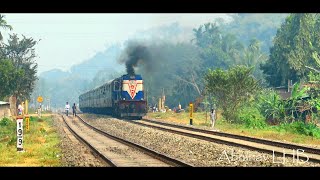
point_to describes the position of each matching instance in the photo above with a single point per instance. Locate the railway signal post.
(191, 112)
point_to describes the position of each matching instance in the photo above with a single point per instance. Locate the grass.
(40, 144)
(271, 132)
(199, 119)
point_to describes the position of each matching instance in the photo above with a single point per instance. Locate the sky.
(69, 39)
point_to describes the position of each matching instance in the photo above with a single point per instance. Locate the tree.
(4, 25)
(293, 49)
(22, 54)
(7, 75)
(217, 49)
(253, 56)
(209, 38)
(7, 72)
(233, 47)
(231, 88)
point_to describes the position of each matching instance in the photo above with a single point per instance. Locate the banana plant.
(297, 95)
(272, 106)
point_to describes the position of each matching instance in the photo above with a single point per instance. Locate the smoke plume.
(135, 54)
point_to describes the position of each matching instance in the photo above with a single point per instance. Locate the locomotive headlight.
(141, 98)
(124, 98)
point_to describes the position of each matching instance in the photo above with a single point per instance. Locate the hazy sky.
(68, 39)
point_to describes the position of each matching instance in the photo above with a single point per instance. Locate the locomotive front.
(131, 101)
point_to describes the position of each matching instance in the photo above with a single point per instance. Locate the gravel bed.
(198, 152)
(74, 153)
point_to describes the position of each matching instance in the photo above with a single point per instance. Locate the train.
(122, 97)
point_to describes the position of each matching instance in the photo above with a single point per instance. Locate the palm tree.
(4, 25)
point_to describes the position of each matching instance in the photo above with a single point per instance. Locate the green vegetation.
(3, 25)
(295, 45)
(251, 117)
(299, 127)
(232, 89)
(40, 144)
(17, 67)
(8, 75)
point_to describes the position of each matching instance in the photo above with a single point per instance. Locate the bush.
(231, 88)
(5, 122)
(299, 127)
(252, 118)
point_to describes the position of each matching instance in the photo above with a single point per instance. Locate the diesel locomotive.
(122, 97)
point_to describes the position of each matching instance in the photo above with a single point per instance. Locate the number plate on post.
(19, 133)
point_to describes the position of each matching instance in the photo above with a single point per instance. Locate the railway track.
(268, 146)
(116, 151)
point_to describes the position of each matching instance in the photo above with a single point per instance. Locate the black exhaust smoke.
(134, 55)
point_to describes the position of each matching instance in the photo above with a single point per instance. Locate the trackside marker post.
(191, 112)
(19, 133)
(27, 117)
(27, 122)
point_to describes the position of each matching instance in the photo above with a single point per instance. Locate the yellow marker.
(40, 99)
(27, 122)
